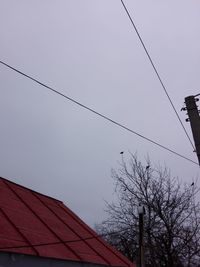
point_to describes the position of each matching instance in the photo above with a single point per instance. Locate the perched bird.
(122, 152)
(147, 167)
(183, 109)
(192, 183)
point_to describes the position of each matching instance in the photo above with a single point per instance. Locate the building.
(37, 230)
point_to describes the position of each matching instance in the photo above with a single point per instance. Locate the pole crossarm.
(194, 119)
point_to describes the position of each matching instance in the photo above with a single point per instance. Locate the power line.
(156, 71)
(66, 241)
(97, 113)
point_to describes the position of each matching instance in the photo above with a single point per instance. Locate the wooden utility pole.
(194, 120)
(141, 212)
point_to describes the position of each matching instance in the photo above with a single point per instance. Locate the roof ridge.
(103, 253)
(39, 218)
(29, 189)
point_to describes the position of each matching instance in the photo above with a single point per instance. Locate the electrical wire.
(64, 241)
(156, 71)
(98, 113)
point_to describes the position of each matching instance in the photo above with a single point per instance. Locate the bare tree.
(172, 220)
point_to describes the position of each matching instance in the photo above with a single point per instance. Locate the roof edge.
(29, 189)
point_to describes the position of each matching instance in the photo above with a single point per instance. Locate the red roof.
(35, 224)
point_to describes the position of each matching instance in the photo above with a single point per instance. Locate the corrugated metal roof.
(35, 224)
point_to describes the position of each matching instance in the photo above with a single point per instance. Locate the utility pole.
(141, 212)
(194, 120)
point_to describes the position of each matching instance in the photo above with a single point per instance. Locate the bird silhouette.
(183, 109)
(122, 152)
(192, 183)
(147, 167)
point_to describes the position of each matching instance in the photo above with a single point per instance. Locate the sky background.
(88, 50)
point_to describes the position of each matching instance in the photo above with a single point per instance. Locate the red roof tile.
(35, 224)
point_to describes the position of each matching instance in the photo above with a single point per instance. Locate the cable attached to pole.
(156, 71)
(96, 112)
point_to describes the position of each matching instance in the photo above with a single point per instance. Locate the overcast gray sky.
(88, 50)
